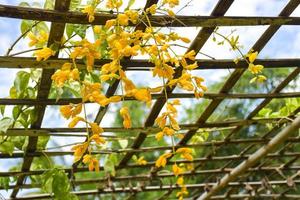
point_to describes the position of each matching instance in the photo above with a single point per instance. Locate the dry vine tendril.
(118, 40)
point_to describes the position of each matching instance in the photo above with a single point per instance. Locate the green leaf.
(60, 184)
(4, 182)
(265, 112)
(42, 26)
(78, 29)
(24, 4)
(25, 26)
(7, 147)
(109, 164)
(2, 109)
(18, 141)
(21, 81)
(123, 143)
(5, 124)
(42, 142)
(130, 3)
(49, 4)
(13, 93)
(74, 4)
(16, 112)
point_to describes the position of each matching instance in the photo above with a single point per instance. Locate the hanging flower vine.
(117, 40)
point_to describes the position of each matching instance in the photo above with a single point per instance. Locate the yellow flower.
(182, 192)
(191, 66)
(44, 54)
(143, 95)
(97, 29)
(99, 140)
(90, 10)
(68, 111)
(133, 15)
(33, 39)
(184, 39)
(79, 150)
(75, 121)
(177, 170)
(261, 78)
(159, 135)
(124, 112)
(96, 129)
(252, 56)
(180, 181)
(152, 9)
(123, 19)
(161, 121)
(171, 13)
(185, 153)
(171, 3)
(168, 131)
(190, 55)
(115, 99)
(40, 39)
(112, 4)
(110, 23)
(255, 69)
(93, 162)
(141, 161)
(162, 160)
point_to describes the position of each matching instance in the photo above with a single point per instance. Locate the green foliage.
(56, 182)
(110, 162)
(5, 124)
(4, 182)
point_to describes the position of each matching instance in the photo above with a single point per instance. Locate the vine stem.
(20, 37)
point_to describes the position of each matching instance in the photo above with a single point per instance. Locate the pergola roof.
(229, 174)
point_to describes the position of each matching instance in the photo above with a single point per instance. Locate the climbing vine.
(120, 38)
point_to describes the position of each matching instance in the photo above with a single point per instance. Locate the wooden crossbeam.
(156, 20)
(142, 65)
(66, 101)
(55, 36)
(21, 154)
(161, 188)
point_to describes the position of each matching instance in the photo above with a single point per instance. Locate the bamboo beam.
(255, 196)
(67, 101)
(255, 157)
(20, 154)
(147, 177)
(55, 36)
(153, 129)
(156, 20)
(152, 188)
(141, 65)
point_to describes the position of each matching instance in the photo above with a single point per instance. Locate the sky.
(285, 44)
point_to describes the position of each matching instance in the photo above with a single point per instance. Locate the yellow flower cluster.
(120, 42)
(87, 50)
(169, 116)
(124, 112)
(44, 54)
(37, 40)
(64, 74)
(255, 69)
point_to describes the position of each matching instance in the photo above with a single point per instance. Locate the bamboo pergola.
(270, 155)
